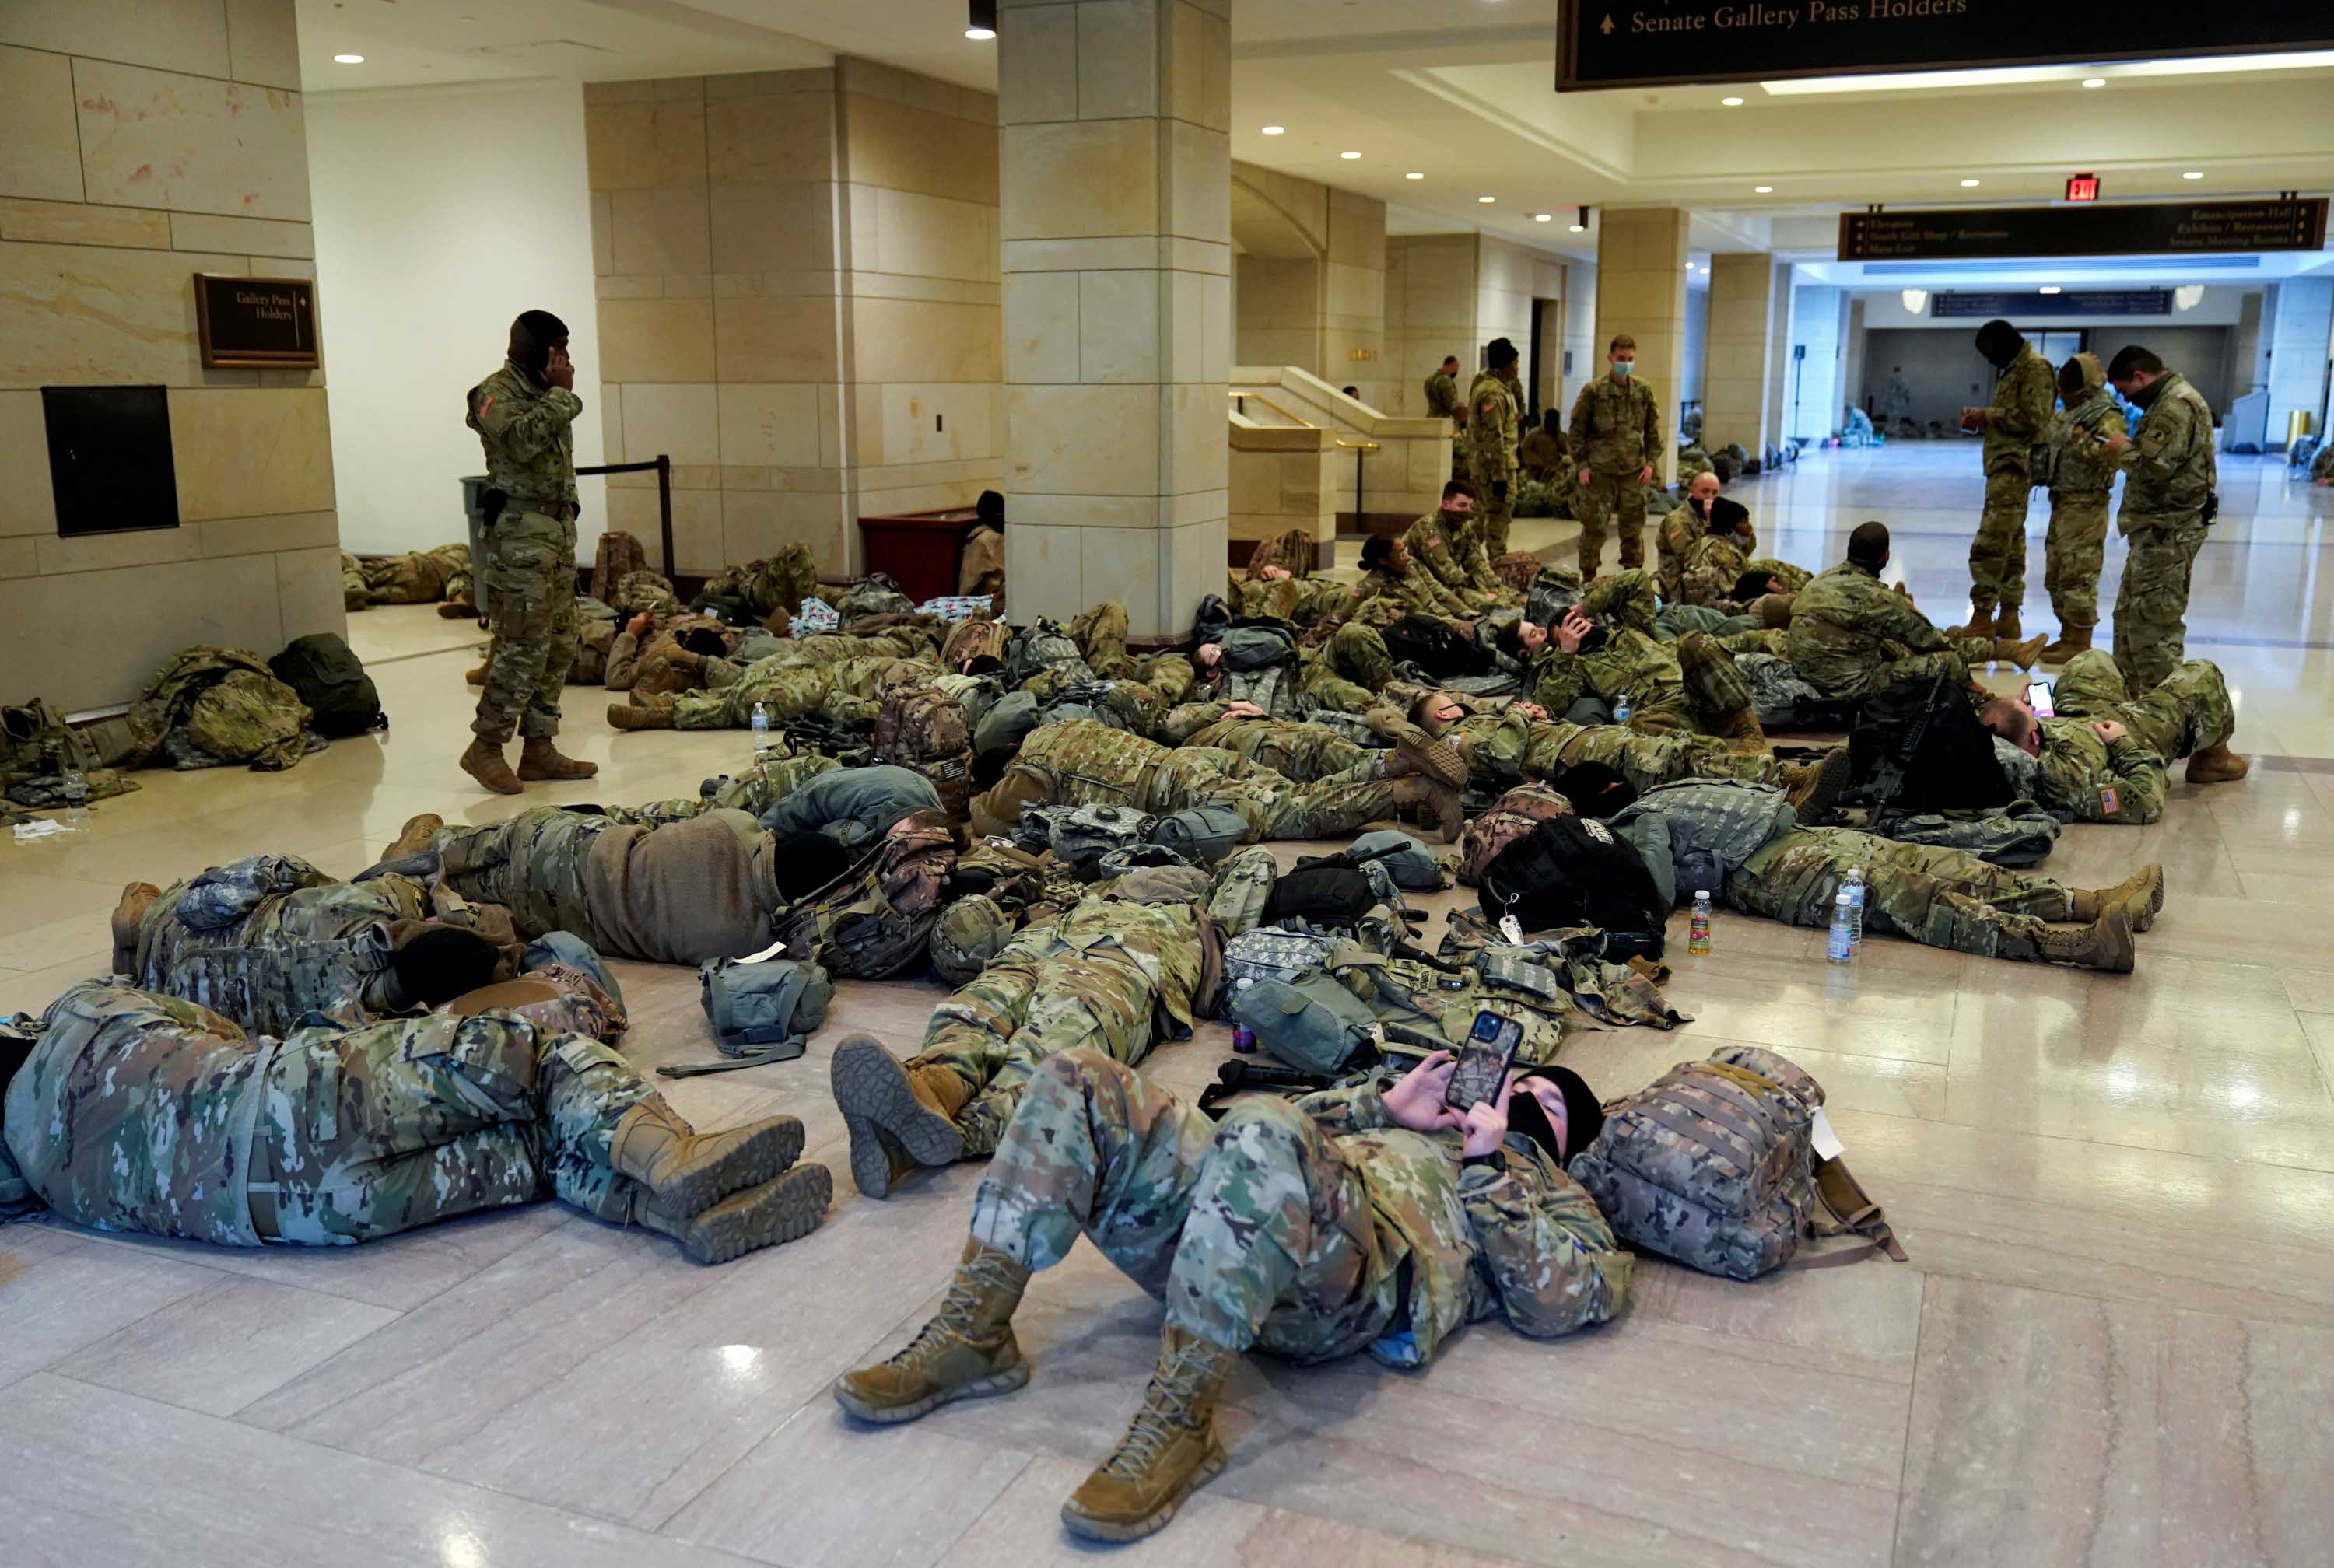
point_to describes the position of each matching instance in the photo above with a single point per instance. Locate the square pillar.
(1640, 260)
(1741, 331)
(1116, 121)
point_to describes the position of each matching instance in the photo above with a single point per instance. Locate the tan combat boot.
(2010, 650)
(478, 677)
(672, 671)
(1814, 789)
(540, 760)
(2072, 640)
(686, 1170)
(2217, 765)
(1431, 798)
(1981, 620)
(455, 609)
(966, 1352)
(128, 915)
(2141, 894)
(782, 1209)
(415, 836)
(2005, 625)
(1415, 751)
(899, 1116)
(2105, 944)
(1743, 731)
(484, 762)
(624, 715)
(1169, 1449)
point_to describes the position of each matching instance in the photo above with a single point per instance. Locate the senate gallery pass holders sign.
(256, 324)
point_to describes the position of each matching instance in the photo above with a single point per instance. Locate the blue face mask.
(1622, 367)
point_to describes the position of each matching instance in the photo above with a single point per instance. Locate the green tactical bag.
(760, 1010)
(1311, 1022)
(876, 919)
(1200, 835)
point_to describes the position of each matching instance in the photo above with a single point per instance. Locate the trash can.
(474, 507)
(917, 550)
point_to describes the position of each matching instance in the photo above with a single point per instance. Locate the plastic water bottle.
(1243, 1039)
(1854, 890)
(76, 795)
(1698, 938)
(1621, 708)
(761, 728)
(1842, 945)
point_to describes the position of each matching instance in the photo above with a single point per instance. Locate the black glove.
(1498, 489)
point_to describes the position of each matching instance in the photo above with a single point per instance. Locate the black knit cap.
(1583, 1114)
(531, 337)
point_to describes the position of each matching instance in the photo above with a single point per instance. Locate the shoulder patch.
(1487, 404)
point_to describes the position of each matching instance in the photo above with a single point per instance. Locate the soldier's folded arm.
(1186, 720)
(1557, 682)
(1547, 1250)
(1655, 440)
(528, 431)
(2143, 778)
(1359, 1109)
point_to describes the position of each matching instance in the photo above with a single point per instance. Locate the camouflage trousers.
(530, 605)
(332, 1137)
(1997, 556)
(1274, 807)
(533, 865)
(2151, 624)
(1255, 1231)
(1495, 510)
(842, 690)
(1302, 752)
(2073, 552)
(1027, 1005)
(2187, 711)
(1616, 501)
(1101, 636)
(1966, 654)
(1940, 897)
(1346, 673)
(1645, 760)
(1717, 692)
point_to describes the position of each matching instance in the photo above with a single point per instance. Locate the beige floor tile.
(225, 1345)
(56, 1299)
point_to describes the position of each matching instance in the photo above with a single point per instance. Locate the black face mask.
(1700, 507)
(2000, 351)
(2145, 397)
(531, 337)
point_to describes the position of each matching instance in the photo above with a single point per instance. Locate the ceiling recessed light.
(1763, 189)
(1689, 267)
(1731, 102)
(1968, 183)
(1349, 155)
(2193, 174)
(1413, 174)
(1543, 218)
(2095, 81)
(2048, 289)
(347, 60)
(980, 35)
(1487, 199)
(1276, 130)
(1580, 229)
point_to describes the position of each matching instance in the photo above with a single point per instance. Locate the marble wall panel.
(308, 590)
(928, 236)
(72, 315)
(1074, 180)
(905, 148)
(251, 235)
(765, 228)
(27, 501)
(664, 229)
(633, 146)
(246, 452)
(171, 35)
(658, 339)
(151, 612)
(40, 135)
(939, 422)
(769, 424)
(924, 341)
(677, 419)
(71, 223)
(774, 339)
(1085, 440)
(263, 43)
(769, 140)
(190, 144)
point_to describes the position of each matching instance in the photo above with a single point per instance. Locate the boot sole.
(486, 783)
(1150, 1524)
(871, 1089)
(778, 1211)
(1005, 1382)
(2143, 914)
(1831, 778)
(415, 836)
(769, 1152)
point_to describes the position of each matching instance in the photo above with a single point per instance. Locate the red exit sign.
(2082, 187)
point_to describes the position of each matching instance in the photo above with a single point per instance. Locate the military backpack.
(1308, 1021)
(761, 1010)
(1511, 817)
(1716, 1167)
(1202, 834)
(331, 680)
(876, 919)
(926, 730)
(976, 638)
(1080, 835)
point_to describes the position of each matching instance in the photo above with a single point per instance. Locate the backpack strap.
(1851, 1212)
(784, 1049)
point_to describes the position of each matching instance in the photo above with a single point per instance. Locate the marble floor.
(2113, 1343)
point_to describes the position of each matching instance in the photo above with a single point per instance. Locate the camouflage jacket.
(1518, 1238)
(1678, 529)
(1713, 564)
(1417, 591)
(2169, 467)
(2080, 776)
(1442, 396)
(230, 705)
(1616, 427)
(1542, 454)
(1629, 662)
(1708, 828)
(2077, 465)
(1163, 942)
(1449, 545)
(779, 583)
(1092, 763)
(1843, 624)
(1492, 422)
(2024, 398)
(527, 430)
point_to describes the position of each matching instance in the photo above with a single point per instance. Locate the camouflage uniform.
(1450, 546)
(1691, 682)
(1345, 674)
(1851, 635)
(1617, 432)
(1491, 421)
(2019, 417)
(270, 938)
(1671, 539)
(2080, 479)
(418, 577)
(1312, 1229)
(354, 594)
(1443, 403)
(772, 587)
(1302, 752)
(1505, 749)
(1414, 591)
(2169, 471)
(2186, 712)
(1543, 455)
(138, 1112)
(528, 434)
(1110, 974)
(790, 686)
(1081, 762)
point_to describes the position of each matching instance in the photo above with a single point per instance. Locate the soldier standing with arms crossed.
(524, 415)
(2025, 396)
(1491, 437)
(2169, 472)
(1616, 436)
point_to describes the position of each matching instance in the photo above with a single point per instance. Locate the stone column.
(1741, 329)
(1641, 259)
(1116, 117)
(1779, 296)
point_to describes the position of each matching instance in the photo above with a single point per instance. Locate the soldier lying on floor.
(1606, 646)
(1356, 1219)
(130, 1111)
(2105, 757)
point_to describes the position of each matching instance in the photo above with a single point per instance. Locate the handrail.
(1356, 445)
(1237, 396)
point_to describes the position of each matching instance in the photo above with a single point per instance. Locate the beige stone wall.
(1734, 405)
(142, 142)
(798, 303)
(1431, 298)
(1311, 289)
(1283, 477)
(1640, 256)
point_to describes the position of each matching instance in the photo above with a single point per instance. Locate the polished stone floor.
(2114, 1343)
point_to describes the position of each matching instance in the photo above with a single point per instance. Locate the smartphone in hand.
(1483, 1061)
(2042, 699)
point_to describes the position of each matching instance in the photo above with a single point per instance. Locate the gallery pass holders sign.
(2133, 228)
(1679, 43)
(256, 323)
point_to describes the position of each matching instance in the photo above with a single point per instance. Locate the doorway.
(1547, 363)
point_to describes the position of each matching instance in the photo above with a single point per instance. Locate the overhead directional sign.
(1677, 42)
(2014, 303)
(2152, 228)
